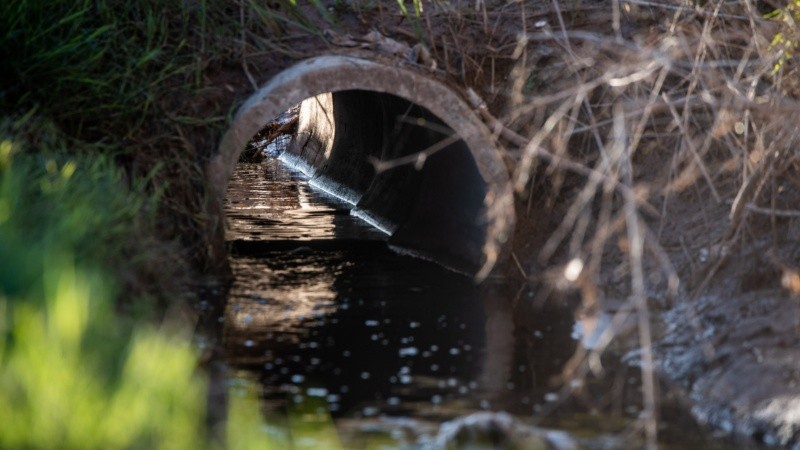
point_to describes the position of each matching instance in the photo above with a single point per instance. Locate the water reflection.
(269, 202)
(283, 300)
(395, 332)
(371, 332)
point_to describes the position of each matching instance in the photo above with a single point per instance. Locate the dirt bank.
(732, 340)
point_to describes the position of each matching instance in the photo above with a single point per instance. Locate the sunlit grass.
(73, 373)
(74, 377)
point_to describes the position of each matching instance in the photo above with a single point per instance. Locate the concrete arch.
(331, 74)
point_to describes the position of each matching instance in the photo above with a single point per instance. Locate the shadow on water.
(322, 310)
(367, 330)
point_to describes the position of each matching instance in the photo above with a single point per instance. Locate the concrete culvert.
(406, 151)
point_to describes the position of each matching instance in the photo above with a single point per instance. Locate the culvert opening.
(401, 168)
(408, 155)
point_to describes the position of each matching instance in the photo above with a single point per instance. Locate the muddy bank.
(727, 343)
(734, 344)
(739, 359)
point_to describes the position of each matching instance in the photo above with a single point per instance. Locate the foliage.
(85, 86)
(415, 19)
(785, 42)
(73, 378)
(73, 374)
(84, 60)
(104, 68)
(135, 78)
(133, 83)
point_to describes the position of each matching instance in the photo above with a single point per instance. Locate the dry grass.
(664, 105)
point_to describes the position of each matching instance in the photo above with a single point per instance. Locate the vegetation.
(143, 82)
(73, 373)
(90, 140)
(105, 121)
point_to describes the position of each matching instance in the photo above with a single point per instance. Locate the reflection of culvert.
(456, 208)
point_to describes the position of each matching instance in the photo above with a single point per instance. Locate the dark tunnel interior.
(401, 167)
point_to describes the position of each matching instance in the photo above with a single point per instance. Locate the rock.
(499, 431)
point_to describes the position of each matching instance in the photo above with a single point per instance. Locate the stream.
(323, 315)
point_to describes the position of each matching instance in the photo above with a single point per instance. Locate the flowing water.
(323, 313)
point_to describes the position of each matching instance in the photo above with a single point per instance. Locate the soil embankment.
(732, 339)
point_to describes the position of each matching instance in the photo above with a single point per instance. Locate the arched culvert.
(457, 208)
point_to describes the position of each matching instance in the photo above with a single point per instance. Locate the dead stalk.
(636, 243)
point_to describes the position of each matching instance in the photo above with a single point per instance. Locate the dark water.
(323, 313)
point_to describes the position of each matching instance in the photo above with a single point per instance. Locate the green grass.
(74, 373)
(785, 42)
(105, 70)
(135, 78)
(103, 135)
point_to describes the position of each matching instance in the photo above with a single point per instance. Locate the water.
(323, 313)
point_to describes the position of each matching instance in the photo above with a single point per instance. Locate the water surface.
(323, 313)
